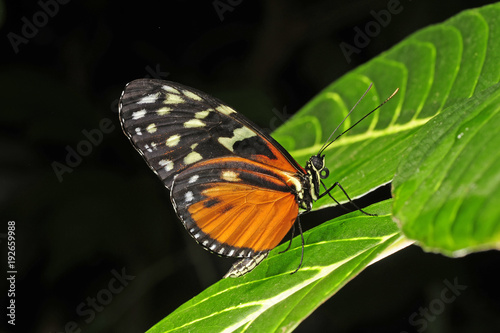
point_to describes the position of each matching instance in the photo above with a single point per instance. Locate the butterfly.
(236, 190)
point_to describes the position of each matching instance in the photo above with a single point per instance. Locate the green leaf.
(434, 68)
(269, 298)
(447, 187)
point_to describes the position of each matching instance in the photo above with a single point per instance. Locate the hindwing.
(235, 207)
(174, 127)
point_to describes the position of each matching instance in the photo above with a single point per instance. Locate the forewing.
(174, 127)
(235, 207)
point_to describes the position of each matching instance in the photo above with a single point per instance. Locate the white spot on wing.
(192, 157)
(194, 123)
(163, 111)
(225, 109)
(151, 128)
(138, 114)
(149, 99)
(138, 131)
(201, 114)
(239, 134)
(188, 197)
(213, 246)
(193, 179)
(173, 99)
(173, 140)
(167, 164)
(230, 176)
(170, 89)
(192, 95)
(230, 254)
(296, 183)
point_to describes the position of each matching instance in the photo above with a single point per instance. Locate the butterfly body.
(236, 190)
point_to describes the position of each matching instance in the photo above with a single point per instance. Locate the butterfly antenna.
(335, 130)
(366, 115)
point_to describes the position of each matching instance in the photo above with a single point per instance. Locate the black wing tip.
(149, 83)
(146, 82)
(138, 88)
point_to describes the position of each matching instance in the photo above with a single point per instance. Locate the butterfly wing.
(232, 185)
(174, 127)
(235, 207)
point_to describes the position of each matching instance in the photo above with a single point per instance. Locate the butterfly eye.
(317, 162)
(324, 173)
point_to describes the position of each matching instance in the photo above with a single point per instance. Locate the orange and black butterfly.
(236, 190)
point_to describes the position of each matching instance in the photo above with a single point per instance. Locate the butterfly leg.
(245, 265)
(290, 242)
(302, 254)
(327, 191)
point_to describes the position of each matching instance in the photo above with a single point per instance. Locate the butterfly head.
(316, 170)
(318, 165)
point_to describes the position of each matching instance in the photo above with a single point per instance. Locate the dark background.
(111, 213)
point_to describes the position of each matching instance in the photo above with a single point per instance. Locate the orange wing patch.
(245, 216)
(234, 206)
(281, 162)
